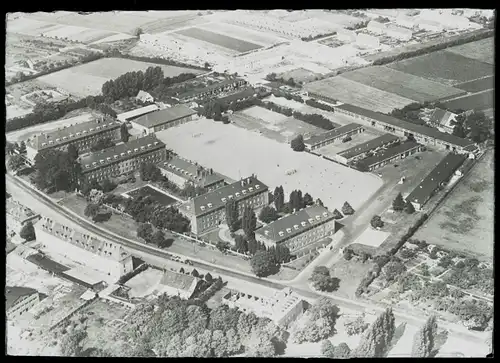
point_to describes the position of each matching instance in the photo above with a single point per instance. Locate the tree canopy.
(264, 264)
(424, 340)
(322, 280)
(297, 143)
(27, 232)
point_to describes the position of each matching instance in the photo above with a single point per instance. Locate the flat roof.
(424, 130)
(137, 112)
(339, 131)
(388, 153)
(84, 274)
(367, 146)
(439, 174)
(163, 116)
(18, 211)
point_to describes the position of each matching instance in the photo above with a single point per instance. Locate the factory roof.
(14, 293)
(388, 153)
(368, 146)
(339, 131)
(137, 112)
(163, 116)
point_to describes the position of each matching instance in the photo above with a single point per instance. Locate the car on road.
(418, 157)
(187, 262)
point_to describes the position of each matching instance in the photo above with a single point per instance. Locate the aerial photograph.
(250, 183)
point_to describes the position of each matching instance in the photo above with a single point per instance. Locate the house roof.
(388, 153)
(137, 112)
(339, 131)
(440, 116)
(367, 146)
(142, 95)
(14, 293)
(191, 171)
(439, 174)
(295, 223)
(178, 280)
(163, 116)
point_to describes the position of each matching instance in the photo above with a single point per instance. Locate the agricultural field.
(244, 34)
(478, 85)
(477, 101)
(482, 50)
(208, 143)
(87, 79)
(444, 67)
(219, 39)
(403, 84)
(464, 222)
(168, 24)
(333, 149)
(358, 94)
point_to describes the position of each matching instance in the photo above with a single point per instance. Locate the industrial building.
(208, 211)
(178, 284)
(285, 307)
(82, 135)
(19, 300)
(122, 159)
(298, 229)
(329, 137)
(17, 216)
(131, 115)
(182, 171)
(163, 119)
(358, 152)
(106, 257)
(388, 155)
(435, 179)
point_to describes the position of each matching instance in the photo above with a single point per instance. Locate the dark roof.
(209, 88)
(388, 153)
(247, 92)
(438, 175)
(440, 116)
(149, 142)
(294, 224)
(177, 280)
(163, 116)
(339, 131)
(191, 171)
(367, 146)
(13, 293)
(137, 112)
(413, 128)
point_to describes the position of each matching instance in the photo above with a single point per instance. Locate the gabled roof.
(178, 280)
(142, 95)
(388, 153)
(440, 116)
(368, 146)
(191, 171)
(339, 131)
(14, 293)
(163, 116)
(137, 112)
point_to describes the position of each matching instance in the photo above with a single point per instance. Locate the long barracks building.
(163, 119)
(329, 137)
(122, 158)
(358, 152)
(384, 157)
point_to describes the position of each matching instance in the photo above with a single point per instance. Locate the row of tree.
(273, 77)
(57, 170)
(474, 126)
(322, 106)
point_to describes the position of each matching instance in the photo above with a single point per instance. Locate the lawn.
(464, 222)
(158, 196)
(350, 274)
(403, 84)
(478, 85)
(445, 67)
(234, 44)
(481, 50)
(358, 94)
(477, 101)
(250, 153)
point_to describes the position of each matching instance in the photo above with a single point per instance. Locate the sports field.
(483, 50)
(219, 39)
(87, 79)
(445, 67)
(358, 94)
(464, 222)
(478, 85)
(477, 101)
(236, 152)
(403, 84)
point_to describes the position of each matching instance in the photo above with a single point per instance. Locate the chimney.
(242, 182)
(248, 180)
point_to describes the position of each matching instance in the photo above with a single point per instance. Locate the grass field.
(403, 84)
(358, 94)
(482, 50)
(464, 222)
(480, 101)
(87, 79)
(445, 67)
(478, 85)
(350, 274)
(219, 39)
(249, 35)
(235, 152)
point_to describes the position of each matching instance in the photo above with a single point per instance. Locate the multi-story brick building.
(299, 229)
(163, 119)
(123, 158)
(82, 135)
(208, 211)
(360, 151)
(386, 156)
(19, 300)
(329, 137)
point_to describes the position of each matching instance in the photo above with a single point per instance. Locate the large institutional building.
(106, 257)
(163, 119)
(82, 135)
(122, 158)
(207, 211)
(298, 229)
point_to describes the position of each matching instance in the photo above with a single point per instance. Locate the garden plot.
(26, 26)
(208, 143)
(268, 116)
(221, 40)
(244, 34)
(161, 25)
(483, 50)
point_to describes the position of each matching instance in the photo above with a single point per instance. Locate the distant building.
(388, 155)
(123, 158)
(17, 216)
(19, 300)
(246, 94)
(298, 229)
(376, 27)
(213, 90)
(131, 115)
(163, 119)
(332, 136)
(82, 135)
(107, 257)
(208, 211)
(368, 41)
(144, 97)
(283, 308)
(346, 35)
(178, 284)
(397, 32)
(443, 119)
(358, 152)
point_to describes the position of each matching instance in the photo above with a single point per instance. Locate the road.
(362, 306)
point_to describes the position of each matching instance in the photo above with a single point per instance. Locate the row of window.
(123, 167)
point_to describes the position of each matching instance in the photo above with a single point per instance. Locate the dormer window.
(257, 186)
(244, 191)
(250, 189)
(51, 142)
(296, 226)
(237, 195)
(289, 230)
(122, 154)
(129, 152)
(325, 214)
(87, 166)
(91, 130)
(281, 233)
(78, 133)
(231, 196)
(136, 149)
(84, 131)
(149, 145)
(209, 205)
(115, 156)
(224, 200)
(101, 161)
(303, 223)
(143, 147)
(202, 207)
(310, 220)
(44, 143)
(108, 158)
(94, 163)
(156, 143)
(318, 218)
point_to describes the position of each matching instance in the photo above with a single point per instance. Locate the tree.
(27, 232)
(424, 341)
(264, 264)
(307, 200)
(95, 196)
(207, 65)
(347, 209)
(445, 261)
(145, 231)
(398, 204)
(55, 170)
(208, 277)
(319, 202)
(249, 221)
(138, 32)
(322, 280)
(241, 244)
(195, 273)
(377, 222)
(356, 326)
(252, 245)
(91, 210)
(260, 344)
(231, 215)
(377, 337)
(268, 214)
(409, 208)
(124, 135)
(282, 253)
(297, 143)
(393, 269)
(318, 323)
(279, 198)
(70, 343)
(337, 214)
(158, 238)
(222, 245)
(16, 162)
(22, 147)
(341, 351)
(327, 348)
(150, 172)
(72, 152)
(102, 144)
(107, 186)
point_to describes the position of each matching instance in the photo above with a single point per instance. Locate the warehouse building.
(422, 134)
(329, 137)
(359, 151)
(389, 155)
(436, 179)
(106, 257)
(182, 171)
(163, 119)
(82, 135)
(122, 159)
(298, 229)
(19, 300)
(208, 211)
(17, 216)
(131, 115)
